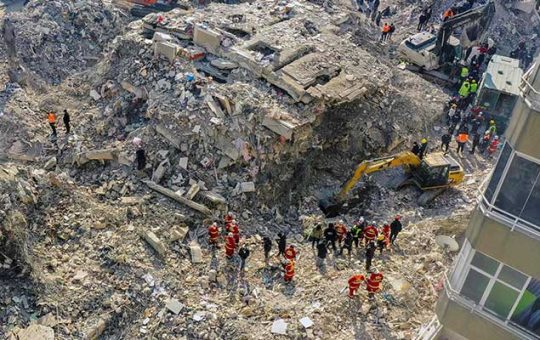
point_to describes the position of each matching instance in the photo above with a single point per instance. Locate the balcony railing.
(476, 309)
(528, 91)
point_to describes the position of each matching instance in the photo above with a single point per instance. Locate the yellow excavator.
(432, 174)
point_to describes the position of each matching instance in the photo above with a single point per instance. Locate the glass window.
(497, 173)
(527, 312)
(518, 183)
(485, 263)
(475, 285)
(512, 277)
(501, 299)
(531, 211)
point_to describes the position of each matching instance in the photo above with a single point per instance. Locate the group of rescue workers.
(336, 236)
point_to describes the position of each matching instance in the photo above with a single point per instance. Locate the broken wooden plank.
(171, 194)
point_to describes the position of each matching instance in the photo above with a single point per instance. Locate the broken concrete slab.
(154, 241)
(131, 200)
(183, 162)
(167, 49)
(178, 233)
(306, 322)
(50, 164)
(139, 91)
(193, 190)
(100, 155)
(95, 329)
(213, 197)
(171, 194)
(281, 127)
(36, 332)
(279, 327)
(207, 38)
(95, 95)
(174, 306)
(247, 187)
(160, 171)
(224, 64)
(168, 135)
(196, 253)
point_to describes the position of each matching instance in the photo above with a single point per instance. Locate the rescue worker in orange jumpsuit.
(448, 14)
(288, 266)
(233, 228)
(354, 283)
(374, 283)
(290, 253)
(213, 234)
(51, 117)
(228, 218)
(230, 245)
(370, 233)
(341, 230)
(386, 230)
(493, 146)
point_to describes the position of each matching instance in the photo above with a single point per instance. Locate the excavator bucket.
(330, 206)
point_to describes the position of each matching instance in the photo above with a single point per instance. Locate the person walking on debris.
(213, 235)
(370, 253)
(485, 141)
(230, 245)
(493, 146)
(415, 148)
(370, 233)
(244, 254)
(330, 236)
(290, 253)
(229, 218)
(235, 230)
(282, 244)
(381, 243)
(358, 231)
(384, 32)
(456, 118)
(475, 142)
(322, 252)
(51, 118)
(354, 283)
(421, 22)
(374, 284)
(391, 31)
(141, 159)
(462, 139)
(395, 229)
(341, 230)
(445, 141)
(347, 244)
(267, 247)
(66, 120)
(316, 236)
(288, 267)
(378, 18)
(423, 148)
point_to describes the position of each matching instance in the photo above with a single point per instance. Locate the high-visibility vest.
(51, 117)
(464, 89)
(464, 72)
(356, 280)
(448, 13)
(474, 87)
(462, 138)
(374, 282)
(386, 29)
(370, 232)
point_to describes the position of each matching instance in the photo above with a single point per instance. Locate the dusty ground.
(73, 259)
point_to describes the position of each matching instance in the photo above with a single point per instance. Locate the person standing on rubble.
(395, 228)
(290, 253)
(374, 9)
(267, 247)
(423, 148)
(141, 159)
(358, 231)
(475, 142)
(316, 236)
(378, 18)
(282, 244)
(462, 139)
(230, 245)
(354, 283)
(370, 233)
(51, 118)
(213, 235)
(347, 244)
(66, 120)
(244, 254)
(391, 31)
(415, 148)
(330, 236)
(445, 141)
(288, 268)
(322, 252)
(384, 32)
(370, 253)
(374, 284)
(341, 230)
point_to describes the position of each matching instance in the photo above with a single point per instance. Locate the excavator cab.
(436, 170)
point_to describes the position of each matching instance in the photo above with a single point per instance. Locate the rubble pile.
(54, 39)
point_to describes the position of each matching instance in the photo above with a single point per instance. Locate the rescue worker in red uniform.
(235, 231)
(354, 283)
(213, 234)
(386, 230)
(370, 233)
(288, 266)
(230, 245)
(290, 253)
(374, 283)
(228, 218)
(493, 146)
(341, 231)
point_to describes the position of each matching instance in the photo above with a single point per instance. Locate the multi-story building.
(493, 291)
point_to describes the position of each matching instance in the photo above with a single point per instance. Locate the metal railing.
(528, 92)
(477, 309)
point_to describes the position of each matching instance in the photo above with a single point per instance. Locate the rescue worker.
(230, 245)
(423, 148)
(448, 14)
(493, 146)
(462, 139)
(51, 118)
(288, 267)
(330, 236)
(391, 31)
(354, 283)
(228, 218)
(290, 253)
(415, 148)
(475, 142)
(451, 112)
(473, 87)
(476, 123)
(282, 244)
(243, 252)
(370, 253)
(465, 88)
(213, 234)
(357, 232)
(347, 244)
(456, 119)
(373, 283)
(267, 247)
(386, 230)
(384, 32)
(235, 230)
(322, 252)
(381, 243)
(341, 230)
(141, 159)
(370, 233)
(395, 228)
(492, 129)
(316, 236)
(66, 120)
(485, 141)
(445, 141)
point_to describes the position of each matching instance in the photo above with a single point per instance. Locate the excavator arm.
(477, 20)
(369, 166)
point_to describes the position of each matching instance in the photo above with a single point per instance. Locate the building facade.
(493, 291)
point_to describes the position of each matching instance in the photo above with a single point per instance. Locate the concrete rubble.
(256, 108)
